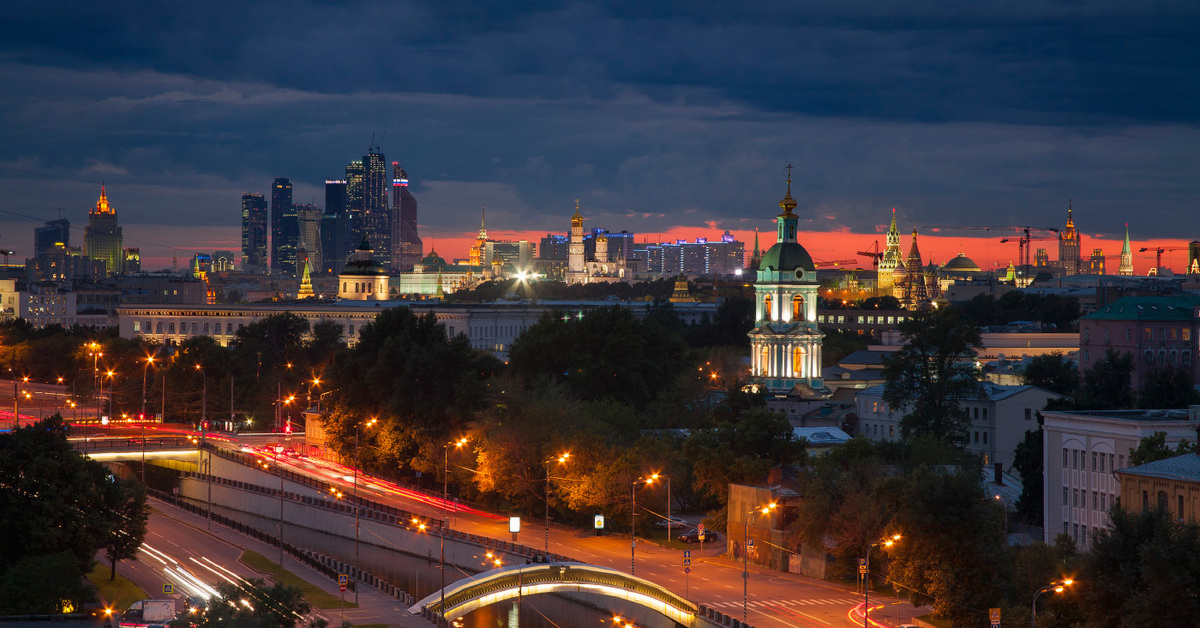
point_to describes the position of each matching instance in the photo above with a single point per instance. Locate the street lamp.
(888, 542)
(633, 521)
(111, 384)
(1057, 587)
(458, 444)
(561, 460)
(357, 432)
(95, 353)
(142, 416)
(746, 555)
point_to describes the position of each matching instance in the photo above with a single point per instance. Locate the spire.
(483, 221)
(788, 203)
(102, 206)
(757, 251)
(893, 229)
(1125, 248)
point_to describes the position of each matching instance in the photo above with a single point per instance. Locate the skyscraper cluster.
(356, 209)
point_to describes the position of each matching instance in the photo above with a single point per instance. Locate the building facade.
(1159, 332)
(102, 239)
(1068, 246)
(254, 232)
(999, 418)
(407, 246)
(1083, 453)
(1172, 484)
(54, 232)
(785, 343)
(377, 225)
(284, 230)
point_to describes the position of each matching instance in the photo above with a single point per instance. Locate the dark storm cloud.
(655, 114)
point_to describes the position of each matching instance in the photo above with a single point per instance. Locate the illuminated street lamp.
(142, 416)
(561, 460)
(633, 521)
(458, 444)
(746, 555)
(1057, 587)
(888, 542)
(357, 433)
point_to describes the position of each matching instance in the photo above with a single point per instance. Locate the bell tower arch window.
(764, 361)
(797, 308)
(798, 362)
(767, 313)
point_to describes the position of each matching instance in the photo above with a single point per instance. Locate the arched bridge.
(510, 582)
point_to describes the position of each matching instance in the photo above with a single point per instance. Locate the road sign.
(168, 588)
(862, 566)
(598, 522)
(343, 580)
(687, 562)
(749, 542)
(994, 616)
(687, 570)
(700, 537)
(687, 553)
(700, 529)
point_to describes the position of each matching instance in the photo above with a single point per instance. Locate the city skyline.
(962, 115)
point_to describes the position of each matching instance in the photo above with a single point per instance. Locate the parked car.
(674, 522)
(693, 536)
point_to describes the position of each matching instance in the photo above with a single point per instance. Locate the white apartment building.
(999, 418)
(1082, 450)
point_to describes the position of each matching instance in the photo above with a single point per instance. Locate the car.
(693, 536)
(674, 522)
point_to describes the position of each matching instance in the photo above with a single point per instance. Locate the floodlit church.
(785, 344)
(602, 268)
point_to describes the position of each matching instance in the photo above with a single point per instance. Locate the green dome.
(786, 256)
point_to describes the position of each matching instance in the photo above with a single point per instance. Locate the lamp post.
(445, 518)
(58, 397)
(95, 353)
(357, 432)
(111, 387)
(633, 522)
(561, 460)
(888, 542)
(746, 556)
(142, 416)
(1057, 587)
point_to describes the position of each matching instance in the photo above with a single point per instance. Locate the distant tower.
(284, 228)
(1068, 246)
(601, 247)
(477, 249)
(1126, 267)
(335, 228)
(756, 256)
(891, 260)
(102, 239)
(915, 290)
(1096, 262)
(377, 219)
(54, 232)
(407, 248)
(1193, 257)
(254, 232)
(785, 344)
(576, 272)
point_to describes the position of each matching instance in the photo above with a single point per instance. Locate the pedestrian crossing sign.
(687, 562)
(168, 588)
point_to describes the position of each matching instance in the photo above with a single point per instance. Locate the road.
(774, 599)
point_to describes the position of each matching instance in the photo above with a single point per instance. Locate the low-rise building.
(1172, 484)
(1082, 451)
(1160, 332)
(1000, 416)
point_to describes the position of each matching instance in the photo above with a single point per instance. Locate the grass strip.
(118, 593)
(315, 596)
(940, 623)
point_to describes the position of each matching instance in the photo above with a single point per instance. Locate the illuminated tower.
(285, 230)
(785, 344)
(1068, 246)
(891, 260)
(915, 291)
(377, 219)
(1126, 267)
(476, 253)
(1193, 257)
(407, 248)
(576, 272)
(102, 240)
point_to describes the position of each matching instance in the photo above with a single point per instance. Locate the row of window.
(1077, 459)
(197, 328)
(861, 320)
(1076, 533)
(875, 429)
(1164, 333)
(1100, 501)
(1163, 503)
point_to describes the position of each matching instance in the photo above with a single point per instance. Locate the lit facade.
(1068, 246)
(102, 239)
(254, 232)
(785, 344)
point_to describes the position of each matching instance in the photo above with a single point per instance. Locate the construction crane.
(1027, 233)
(835, 263)
(1158, 251)
(872, 253)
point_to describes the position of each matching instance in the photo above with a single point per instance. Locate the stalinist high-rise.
(102, 238)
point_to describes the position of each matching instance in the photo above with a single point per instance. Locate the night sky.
(666, 119)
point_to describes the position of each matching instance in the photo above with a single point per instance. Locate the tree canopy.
(932, 373)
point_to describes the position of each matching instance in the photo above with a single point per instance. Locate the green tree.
(1027, 460)
(249, 604)
(838, 344)
(126, 509)
(1154, 447)
(1168, 388)
(1054, 372)
(1142, 571)
(37, 584)
(1106, 383)
(932, 373)
(741, 450)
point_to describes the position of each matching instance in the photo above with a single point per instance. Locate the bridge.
(515, 581)
(120, 449)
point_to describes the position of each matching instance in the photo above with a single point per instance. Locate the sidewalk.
(373, 606)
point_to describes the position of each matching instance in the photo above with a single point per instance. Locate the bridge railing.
(109, 444)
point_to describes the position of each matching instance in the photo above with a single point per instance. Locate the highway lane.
(775, 600)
